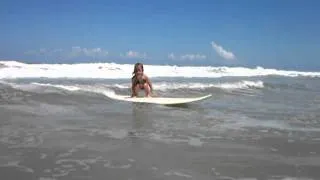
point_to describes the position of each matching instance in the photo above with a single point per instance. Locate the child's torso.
(141, 80)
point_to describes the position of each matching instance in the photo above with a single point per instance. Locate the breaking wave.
(13, 69)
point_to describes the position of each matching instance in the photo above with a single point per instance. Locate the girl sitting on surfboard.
(140, 81)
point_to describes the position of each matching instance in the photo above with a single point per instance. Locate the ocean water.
(57, 122)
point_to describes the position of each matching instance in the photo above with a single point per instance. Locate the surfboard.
(158, 100)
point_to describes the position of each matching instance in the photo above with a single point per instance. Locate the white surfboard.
(157, 100)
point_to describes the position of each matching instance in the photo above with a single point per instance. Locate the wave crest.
(162, 86)
(13, 69)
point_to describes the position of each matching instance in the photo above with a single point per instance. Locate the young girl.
(140, 81)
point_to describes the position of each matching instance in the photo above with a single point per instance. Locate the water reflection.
(142, 119)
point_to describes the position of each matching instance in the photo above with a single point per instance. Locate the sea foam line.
(162, 86)
(196, 85)
(13, 69)
(108, 89)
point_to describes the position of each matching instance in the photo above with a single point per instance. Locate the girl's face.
(139, 71)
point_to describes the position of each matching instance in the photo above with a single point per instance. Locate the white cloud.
(31, 52)
(171, 56)
(94, 52)
(134, 54)
(43, 51)
(184, 57)
(57, 50)
(193, 57)
(228, 55)
(76, 51)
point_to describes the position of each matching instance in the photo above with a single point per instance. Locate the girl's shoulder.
(145, 76)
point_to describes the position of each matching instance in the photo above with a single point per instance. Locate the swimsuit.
(141, 82)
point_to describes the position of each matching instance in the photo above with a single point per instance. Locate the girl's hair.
(136, 66)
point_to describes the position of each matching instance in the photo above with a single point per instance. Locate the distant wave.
(162, 86)
(44, 88)
(13, 69)
(69, 88)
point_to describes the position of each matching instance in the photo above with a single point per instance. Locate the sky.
(268, 33)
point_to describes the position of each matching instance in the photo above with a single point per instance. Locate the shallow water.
(251, 128)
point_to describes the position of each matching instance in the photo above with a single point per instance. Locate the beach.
(57, 122)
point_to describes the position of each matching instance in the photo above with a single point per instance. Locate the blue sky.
(270, 33)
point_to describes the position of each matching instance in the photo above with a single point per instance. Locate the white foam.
(290, 178)
(176, 173)
(62, 173)
(168, 86)
(23, 87)
(239, 122)
(195, 142)
(69, 153)
(154, 168)
(113, 133)
(162, 86)
(19, 137)
(66, 164)
(170, 139)
(131, 160)
(69, 88)
(13, 69)
(43, 156)
(35, 87)
(242, 85)
(196, 85)
(125, 166)
(20, 167)
(46, 178)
